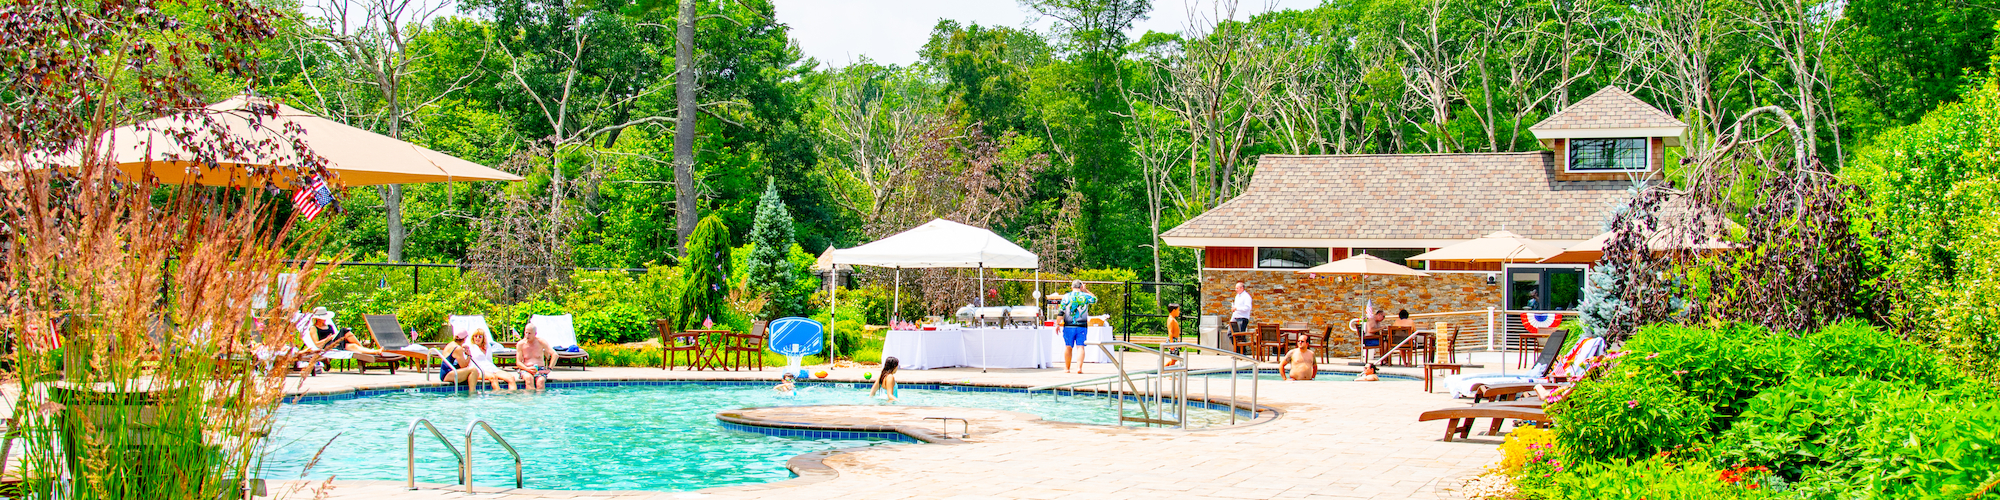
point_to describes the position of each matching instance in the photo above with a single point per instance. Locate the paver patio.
(1333, 440)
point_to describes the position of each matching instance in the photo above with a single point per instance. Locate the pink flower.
(1632, 403)
(1653, 356)
(1680, 372)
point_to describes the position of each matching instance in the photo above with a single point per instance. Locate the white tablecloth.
(1092, 354)
(974, 347)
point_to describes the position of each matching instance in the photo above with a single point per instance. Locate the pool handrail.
(1255, 369)
(1159, 393)
(478, 424)
(410, 439)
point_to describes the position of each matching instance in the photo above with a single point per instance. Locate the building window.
(1544, 288)
(1290, 258)
(1608, 155)
(1396, 255)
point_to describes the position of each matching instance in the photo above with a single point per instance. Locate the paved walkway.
(1333, 440)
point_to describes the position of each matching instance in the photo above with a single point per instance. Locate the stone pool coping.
(808, 468)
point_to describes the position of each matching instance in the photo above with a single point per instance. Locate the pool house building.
(1301, 211)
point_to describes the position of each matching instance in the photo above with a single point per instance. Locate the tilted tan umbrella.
(354, 156)
(1363, 265)
(1501, 246)
(1592, 250)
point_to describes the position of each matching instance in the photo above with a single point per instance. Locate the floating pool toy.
(867, 376)
(820, 374)
(804, 374)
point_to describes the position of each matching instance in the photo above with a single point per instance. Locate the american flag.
(314, 198)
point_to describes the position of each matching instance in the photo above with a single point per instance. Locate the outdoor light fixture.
(1492, 278)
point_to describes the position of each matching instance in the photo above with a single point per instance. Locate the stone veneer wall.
(1334, 299)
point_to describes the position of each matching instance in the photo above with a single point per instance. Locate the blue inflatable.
(796, 336)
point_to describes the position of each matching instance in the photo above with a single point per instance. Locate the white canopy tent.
(935, 244)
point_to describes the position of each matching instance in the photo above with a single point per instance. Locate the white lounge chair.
(560, 332)
(475, 322)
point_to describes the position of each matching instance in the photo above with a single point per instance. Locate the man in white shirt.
(1239, 316)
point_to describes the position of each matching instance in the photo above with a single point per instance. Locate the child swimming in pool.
(787, 386)
(887, 379)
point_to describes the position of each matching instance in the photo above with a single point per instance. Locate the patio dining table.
(708, 353)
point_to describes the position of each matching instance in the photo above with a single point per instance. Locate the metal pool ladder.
(411, 439)
(1163, 392)
(466, 459)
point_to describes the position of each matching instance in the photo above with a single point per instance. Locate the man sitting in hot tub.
(1300, 362)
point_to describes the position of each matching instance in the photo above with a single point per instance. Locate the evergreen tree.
(704, 288)
(767, 272)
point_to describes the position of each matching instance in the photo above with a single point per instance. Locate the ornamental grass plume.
(147, 344)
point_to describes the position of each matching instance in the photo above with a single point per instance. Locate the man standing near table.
(1076, 324)
(1239, 315)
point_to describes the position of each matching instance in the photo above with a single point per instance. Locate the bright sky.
(891, 31)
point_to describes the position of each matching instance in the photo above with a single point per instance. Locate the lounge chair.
(1548, 367)
(390, 336)
(468, 323)
(313, 353)
(1461, 418)
(559, 332)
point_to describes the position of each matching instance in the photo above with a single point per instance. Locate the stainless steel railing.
(1235, 363)
(1164, 386)
(467, 457)
(410, 439)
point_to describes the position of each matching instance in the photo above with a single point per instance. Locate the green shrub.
(1938, 444)
(1859, 349)
(1658, 478)
(1808, 423)
(614, 323)
(1625, 417)
(1723, 367)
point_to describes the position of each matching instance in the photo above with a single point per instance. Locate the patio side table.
(1431, 369)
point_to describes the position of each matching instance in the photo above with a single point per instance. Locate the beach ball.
(820, 374)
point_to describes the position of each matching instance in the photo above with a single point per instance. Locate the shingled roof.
(1410, 196)
(1609, 108)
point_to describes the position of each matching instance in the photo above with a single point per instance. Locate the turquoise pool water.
(631, 437)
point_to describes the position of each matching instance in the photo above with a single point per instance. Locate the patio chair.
(746, 349)
(1269, 341)
(1395, 340)
(1372, 344)
(470, 322)
(673, 343)
(559, 331)
(1244, 342)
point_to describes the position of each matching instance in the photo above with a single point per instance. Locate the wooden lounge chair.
(1460, 419)
(559, 331)
(389, 335)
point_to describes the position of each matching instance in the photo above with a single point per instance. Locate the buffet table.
(978, 347)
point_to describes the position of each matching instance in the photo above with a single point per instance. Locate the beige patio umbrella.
(1365, 265)
(1501, 246)
(354, 156)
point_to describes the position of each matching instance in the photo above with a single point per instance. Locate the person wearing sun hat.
(325, 334)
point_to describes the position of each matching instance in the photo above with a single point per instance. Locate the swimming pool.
(652, 436)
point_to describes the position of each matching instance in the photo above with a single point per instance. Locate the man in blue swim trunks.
(1076, 324)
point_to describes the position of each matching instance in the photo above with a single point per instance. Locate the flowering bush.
(1627, 416)
(1660, 478)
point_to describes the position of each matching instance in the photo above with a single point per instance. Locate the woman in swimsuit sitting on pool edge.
(482, 360)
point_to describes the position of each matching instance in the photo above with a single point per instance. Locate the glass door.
(1544, 288)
